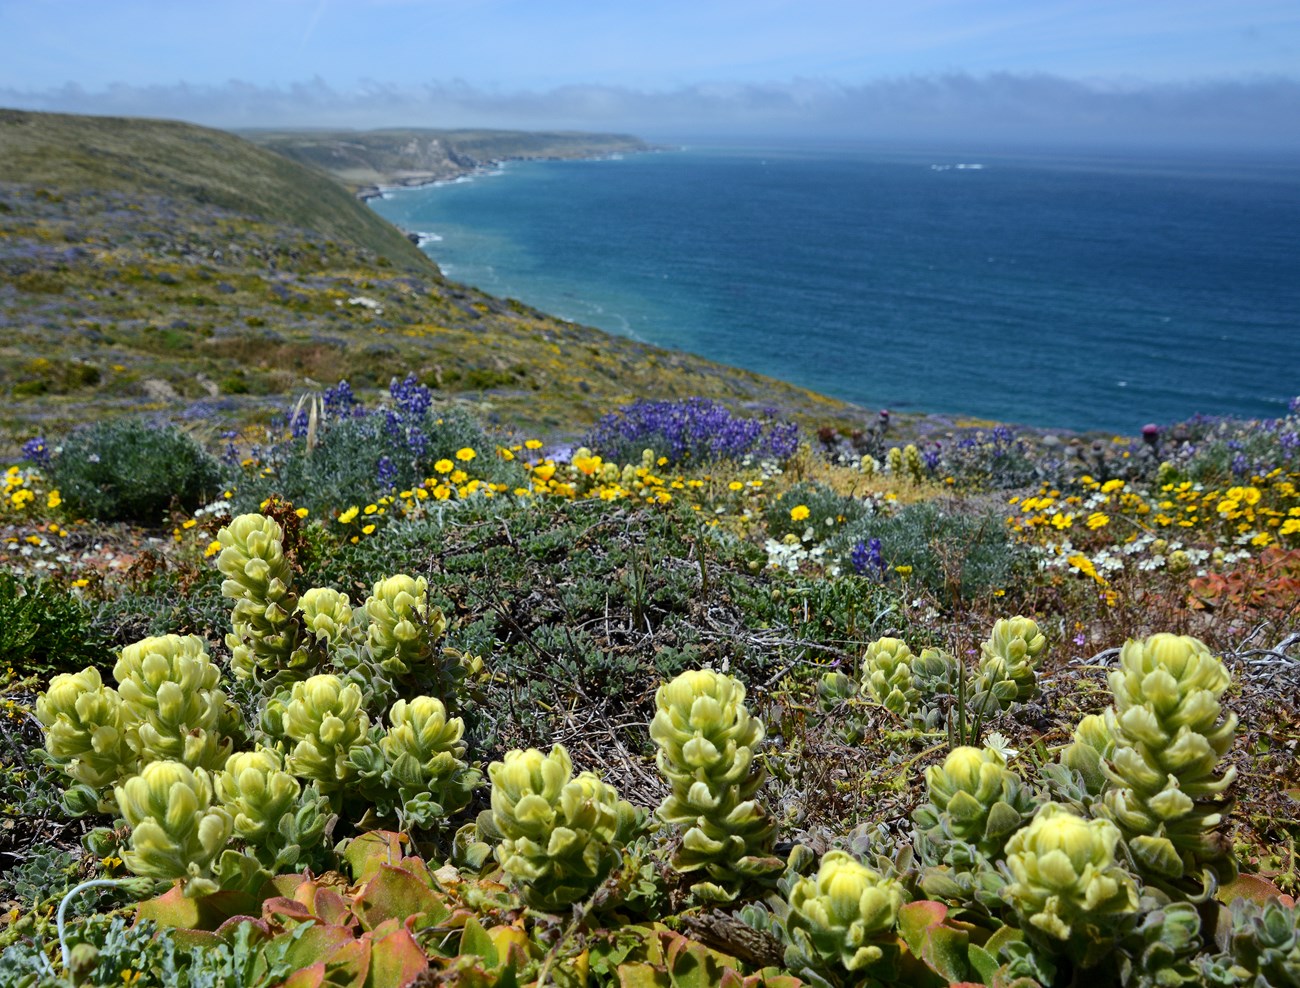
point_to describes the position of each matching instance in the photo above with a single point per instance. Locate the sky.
(1194, 72)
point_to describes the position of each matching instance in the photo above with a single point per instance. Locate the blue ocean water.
(1079, 292)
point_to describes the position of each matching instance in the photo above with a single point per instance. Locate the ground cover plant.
(482, 709)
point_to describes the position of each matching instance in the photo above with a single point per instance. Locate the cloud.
(999, 108)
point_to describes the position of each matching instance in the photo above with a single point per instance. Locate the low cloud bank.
(995, 108)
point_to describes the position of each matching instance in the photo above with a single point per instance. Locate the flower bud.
(426, 750)
(846, 913)
(169, 686)
(176, 832)
(327, 614)
(85, 728)
(1065, 880)
(325, 718)
(561, 834)
(402, 625)
(256, 791)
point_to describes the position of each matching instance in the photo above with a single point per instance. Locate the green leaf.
(205, 912)
(474, 940)
(366, 853)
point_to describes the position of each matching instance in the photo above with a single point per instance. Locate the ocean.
(1062, 291)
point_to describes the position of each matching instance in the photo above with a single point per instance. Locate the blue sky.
(660, 65)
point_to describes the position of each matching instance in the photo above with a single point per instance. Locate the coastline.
(468, 171)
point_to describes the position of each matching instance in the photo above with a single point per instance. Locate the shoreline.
(487, 167)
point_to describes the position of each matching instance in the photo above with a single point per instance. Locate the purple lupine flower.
(867, 560)
(694, 428)
(36, 451)
(340, 402)
(386, 474)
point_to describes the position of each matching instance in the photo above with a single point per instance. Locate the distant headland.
(369, 161)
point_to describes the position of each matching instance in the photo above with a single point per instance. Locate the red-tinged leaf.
(227, 929)
(395, 893)
(206, 912)
(281, 908)
(350, 964)
(366, 853)
(395, 961)
(1256, 888)
(331, 908)
(311, 976)
(915, 918)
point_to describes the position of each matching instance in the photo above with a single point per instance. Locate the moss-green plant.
(425, 752)
(1008, 661)
(176, 832)
(707, 740)
(1170, 732)
(86, 729)
(560, 834)
(887, 675)
(974, 798)
(402, 625)
(256, 791)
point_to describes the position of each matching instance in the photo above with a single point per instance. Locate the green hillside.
(189, 163)
(155, 265)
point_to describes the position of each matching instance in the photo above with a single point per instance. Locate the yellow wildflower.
(465, 454)
(444, 466)
(799, 512)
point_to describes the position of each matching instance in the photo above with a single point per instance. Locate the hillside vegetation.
(184, 270)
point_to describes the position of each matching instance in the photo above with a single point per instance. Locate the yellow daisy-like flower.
(465, 454)
(368, 530)
(799, 512)
(444, 466)
(533, 444)
(213, 548)
(349, 516)
(53, 500)
(1098, 520)
(735, 485)
(301, 512)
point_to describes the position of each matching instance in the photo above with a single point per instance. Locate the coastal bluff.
(368, 161)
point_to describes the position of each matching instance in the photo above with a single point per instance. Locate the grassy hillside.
(365, 159)
(156, 265)
(189, 163)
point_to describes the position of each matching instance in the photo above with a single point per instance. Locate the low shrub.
(45, 630)
(133, 470)
(954, 554)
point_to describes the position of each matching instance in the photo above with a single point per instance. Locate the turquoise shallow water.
(1069, 292)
